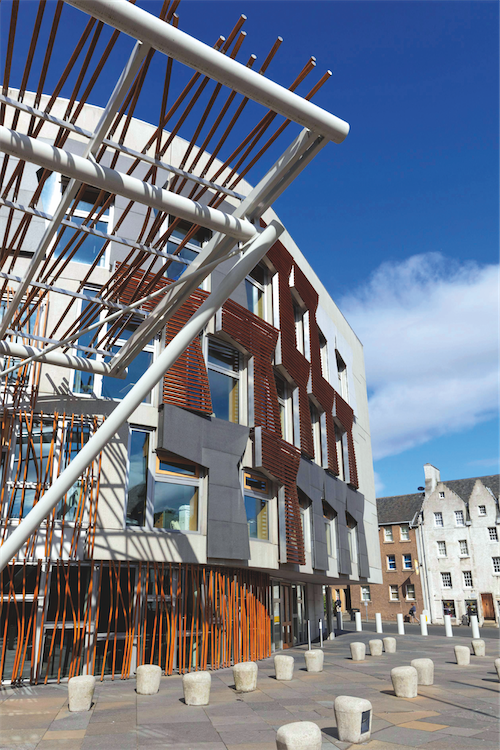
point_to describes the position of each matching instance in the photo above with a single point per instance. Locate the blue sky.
(401, 220)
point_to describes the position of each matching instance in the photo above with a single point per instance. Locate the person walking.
(413, 613)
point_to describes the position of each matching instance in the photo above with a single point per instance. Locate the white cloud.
(379, 485)
(429, 327)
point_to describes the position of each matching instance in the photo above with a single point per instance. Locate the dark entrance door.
(487, 602)
(287, 619)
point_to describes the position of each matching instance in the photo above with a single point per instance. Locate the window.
(407, 562)
(330, 518)
(481, 509)
(255, 285)
(256, 489)
(29, 469)
(138, 458)
(224, 379)
(352, 530)
(88, 246)
(459, 518)
(493, 534)
(404, 530)
(410, 591)
(76, 436)
(441, 549)
(342, 388)
(316, 431)
(305, 518)
(467, 578)
(388, 534)
(176, 493)
(365, 594)
(496, 564)
(323, 353)
(441, 495)
(298, 314)
(342, 453)
(464, 548)
(438, 519)
(446, 580)
(191, 248)
(391, 562)
(393, 593)
(118, 389)
(285, 407)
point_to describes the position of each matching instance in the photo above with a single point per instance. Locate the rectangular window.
(76, 436)
(255, 285)
(342, 453)
(352, 531)
(391, 562)
(365, 594)
(441, 549)
(394, 593)
(330, 519)
(410, 591)
(459, 518)
(464, 548)
(298, 315)
(407, 562)
(316, 430)
(493, 534)
(285, 407)
(467, 578)
(224, 379)
(404, 532)
(496, 564)
(323, 353)
(88, 247)
(257, 506)
(446, 580)
(342, 388)
(438, 520)
(118, 389)
(481, 510)
(190, 249)
(137, 489)
(388, 537)
(441, 495)
(176, 493)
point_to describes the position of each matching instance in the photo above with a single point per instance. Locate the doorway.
(287, 617)
(488, 609)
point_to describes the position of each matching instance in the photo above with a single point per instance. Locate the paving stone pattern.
(460, 710)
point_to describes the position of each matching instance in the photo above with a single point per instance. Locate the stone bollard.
(196, 687)
(478, 646)
(378, 622)
(314, 660)
(390, 645)
(245, 676)
(497, 667)
(462, 655)
(401, 624)
(357, 620)
(405, 682)
(148, 677)
(425, 671)
(283, 666)
(375, 647)
(354, 718)
(300, 735)
(81, 692)
(358, 651)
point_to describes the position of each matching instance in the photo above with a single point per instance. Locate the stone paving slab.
(461, 710)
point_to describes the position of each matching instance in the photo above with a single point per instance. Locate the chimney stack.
(432, 477)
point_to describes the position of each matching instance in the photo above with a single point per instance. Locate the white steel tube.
(254, 252)
(56, 358)
(475, 626)
(378, 622)
(139, 24)
(309, 634)
(105, 178)
(447, 626)
(321, 633)
(359, 624)
(423, 625)
(401, 624)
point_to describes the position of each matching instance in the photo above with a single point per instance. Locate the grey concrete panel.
(228, 540)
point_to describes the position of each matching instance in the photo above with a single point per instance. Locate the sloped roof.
(399, 509)
(463, 487)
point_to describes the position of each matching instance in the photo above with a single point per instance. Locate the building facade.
(401, 570)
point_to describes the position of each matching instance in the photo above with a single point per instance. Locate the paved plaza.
(459, 711)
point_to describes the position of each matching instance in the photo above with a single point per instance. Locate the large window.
(352, 531)
(441, 549)
(464, 547)
(342, 387)
(300, 327)
(459, 518)
(438, 520)
(88, 246)
(330, 519)
(256, 489)
(255, 287)
(138, 471)
(467, 578)
(190, 249)
(446, 580)
(224, 379)
(305, 518)
(323, 353)
(285, 406)
(342, 452)
(316, 431)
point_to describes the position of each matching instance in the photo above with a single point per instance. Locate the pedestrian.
(413, 613)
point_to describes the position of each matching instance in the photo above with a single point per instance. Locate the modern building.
(458, 529)
(401, 566)
(208, 524)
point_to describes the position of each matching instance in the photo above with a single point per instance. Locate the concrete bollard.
(148, 678)
(478, 646)
(475, 627)
(462, 655)
(378, 623)
(283, 667)
(300, 735)
(405, 682)
(423, 625)
(448, 631)
(245, 676)
(81, 692)
(358, 651)
(497, 667)
(376, 646)
(196, 687)
(390, 645)
(401, 624)
(425, 671)
(314, 660)
(357, 620)
(354, 718)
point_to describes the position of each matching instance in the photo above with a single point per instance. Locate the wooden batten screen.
(62, 619)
